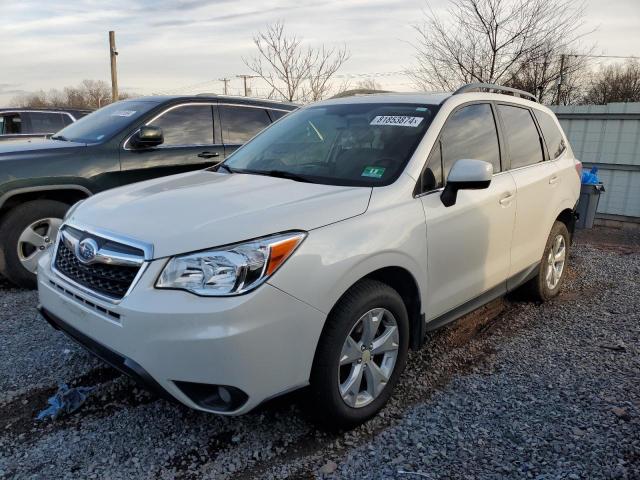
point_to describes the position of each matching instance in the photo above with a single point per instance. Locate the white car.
(321, 251)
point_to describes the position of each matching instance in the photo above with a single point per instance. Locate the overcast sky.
(178, 46)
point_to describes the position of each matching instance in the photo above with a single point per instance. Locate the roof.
(45, 109)
(215, 98)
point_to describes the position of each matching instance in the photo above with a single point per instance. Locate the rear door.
(240, 123)
(189, 144)
(537, 183)
(468, 243)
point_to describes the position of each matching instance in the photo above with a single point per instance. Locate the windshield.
(347, 144)
(105, 122)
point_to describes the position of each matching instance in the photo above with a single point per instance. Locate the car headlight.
(229, 270)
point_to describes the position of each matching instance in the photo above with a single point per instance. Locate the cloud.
(168, 45)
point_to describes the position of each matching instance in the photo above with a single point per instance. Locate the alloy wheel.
(555, 261)
(368, 357)
(35, 240)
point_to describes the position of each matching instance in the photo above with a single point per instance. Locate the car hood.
(204, 209)
(38, 145)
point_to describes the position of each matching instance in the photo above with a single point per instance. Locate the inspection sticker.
(123, 113)
(397, 120)
(373, 172)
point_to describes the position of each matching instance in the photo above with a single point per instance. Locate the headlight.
(230, 270)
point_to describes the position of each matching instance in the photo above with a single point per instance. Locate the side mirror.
(466, 175)
(147, 137)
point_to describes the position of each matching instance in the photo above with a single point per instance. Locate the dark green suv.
(125, 142)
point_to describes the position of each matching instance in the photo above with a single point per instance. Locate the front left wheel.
(26, 233)
(360, 356)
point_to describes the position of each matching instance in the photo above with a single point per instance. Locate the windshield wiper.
(60, 137)
(287, 175)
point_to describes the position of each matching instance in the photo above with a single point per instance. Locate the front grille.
(110, 280)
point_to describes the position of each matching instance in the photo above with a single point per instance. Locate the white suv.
(321, 251)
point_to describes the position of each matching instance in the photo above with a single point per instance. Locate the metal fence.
(608, 136)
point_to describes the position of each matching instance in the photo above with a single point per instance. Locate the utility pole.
(245, 77)
(114, 72)
(226, 84)
(560, 79)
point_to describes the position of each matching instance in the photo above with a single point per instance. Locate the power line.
(226, 84)
(244, 78)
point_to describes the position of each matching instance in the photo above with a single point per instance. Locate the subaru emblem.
(87, 250)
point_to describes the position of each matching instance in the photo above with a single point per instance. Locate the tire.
(42, 217)
(329, 407)
(539, 288)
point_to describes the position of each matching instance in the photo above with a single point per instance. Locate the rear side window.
(187, 125)
(523, 139)
(470, 133)
(276, 114)
(46, 122)
(552, 134)
(240, 124)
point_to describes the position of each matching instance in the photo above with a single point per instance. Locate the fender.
(43, 188)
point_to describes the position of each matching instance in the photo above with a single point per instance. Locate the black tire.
(328, 407)
(12, 226)
(537, 288)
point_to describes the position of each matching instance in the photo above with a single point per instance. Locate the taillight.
(579, 169)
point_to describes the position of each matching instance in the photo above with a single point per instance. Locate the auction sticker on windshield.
(397, 120)
(123, 113)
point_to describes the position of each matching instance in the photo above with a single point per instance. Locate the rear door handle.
(506, 199)
(208, 154)
(553, 180)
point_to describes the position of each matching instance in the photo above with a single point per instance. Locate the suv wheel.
(553, 266)
(361, 354)
(27, 232)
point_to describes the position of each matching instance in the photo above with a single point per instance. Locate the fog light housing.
(219, 398)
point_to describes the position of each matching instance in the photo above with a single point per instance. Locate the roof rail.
(477, 87)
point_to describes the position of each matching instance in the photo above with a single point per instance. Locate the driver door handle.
(553, 180)
(208, 154)
(506, 199)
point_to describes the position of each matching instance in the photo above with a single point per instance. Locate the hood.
(14, 149)
(204, 209)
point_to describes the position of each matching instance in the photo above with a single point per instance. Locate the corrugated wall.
(608, 136)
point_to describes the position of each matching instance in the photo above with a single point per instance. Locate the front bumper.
(261, 343)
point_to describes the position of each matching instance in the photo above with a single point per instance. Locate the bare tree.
(492, 40)
(292, 70)
(540, 72)
(89, 94)
(615, 83)
(369, 84)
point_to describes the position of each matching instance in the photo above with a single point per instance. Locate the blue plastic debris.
(66, 400)
(590, 177)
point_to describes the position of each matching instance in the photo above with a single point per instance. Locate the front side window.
(552, 134)
(241, 124)
(522, 135)
(186, 125)
(347, 144)
(46, 122)
(470, 133)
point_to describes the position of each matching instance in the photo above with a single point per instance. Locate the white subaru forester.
(321, 251)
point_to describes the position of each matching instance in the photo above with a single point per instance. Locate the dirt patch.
(624, 241)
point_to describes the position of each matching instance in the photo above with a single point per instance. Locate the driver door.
(189, 144)
(469, 243)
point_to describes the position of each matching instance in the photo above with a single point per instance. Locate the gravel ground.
(516, 390)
